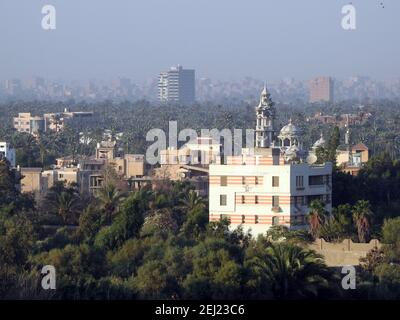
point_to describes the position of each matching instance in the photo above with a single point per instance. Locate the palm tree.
(316, 217)
(109, 198)
(294, 272)
(362, 219)
(192, 200)
(66, 204)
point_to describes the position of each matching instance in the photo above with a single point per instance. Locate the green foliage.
(74, 261)
(60, 239)
(89, 223)
(294, 272)
(17, 237)
(64, 201)
(328, 153)
(9, 193)
(391, 231)
(109, 197)
(339, 225)
(126, 224)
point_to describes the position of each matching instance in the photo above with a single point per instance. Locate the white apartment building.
(271, 184)
(7, 152)
(177, 85)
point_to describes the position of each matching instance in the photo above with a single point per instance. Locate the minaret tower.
(265, 129)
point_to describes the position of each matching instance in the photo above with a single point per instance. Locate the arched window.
(286, 142)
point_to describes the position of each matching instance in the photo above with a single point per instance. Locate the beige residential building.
(27, 123)
(190, 163)
(33, 182)
(352, 160)
(57, 121)
(130, 165)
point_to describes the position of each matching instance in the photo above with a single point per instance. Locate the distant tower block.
(321, 89)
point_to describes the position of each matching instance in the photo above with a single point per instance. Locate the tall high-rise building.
(177, 85)
(321, 89)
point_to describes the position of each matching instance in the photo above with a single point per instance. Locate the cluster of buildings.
(40, 88)
(342, 120)
(89, 173)
(272, 183)
(180, 86)
(25, 122)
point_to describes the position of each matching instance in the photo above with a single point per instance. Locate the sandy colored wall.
(343, 253)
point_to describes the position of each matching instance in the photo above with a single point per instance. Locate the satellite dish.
(312, 158)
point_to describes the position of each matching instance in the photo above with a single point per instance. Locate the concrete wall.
(343, 253)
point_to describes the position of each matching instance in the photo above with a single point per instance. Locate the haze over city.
(223, 39)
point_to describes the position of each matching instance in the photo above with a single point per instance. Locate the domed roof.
(290, 129)
(320, 142)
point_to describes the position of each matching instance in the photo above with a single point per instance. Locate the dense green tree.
(295, 272)
(109, 198)
(127, 223)
(90, 222)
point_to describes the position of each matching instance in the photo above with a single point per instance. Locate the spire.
(265, 98)
(264, 92)
(265, 113)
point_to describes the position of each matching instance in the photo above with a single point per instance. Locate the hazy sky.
(221, 39)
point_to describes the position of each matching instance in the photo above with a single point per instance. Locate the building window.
(299, 181)
(222, 200)
(255, 180)
(243, 180)
(275, 181)
(275, 201)
(256, 219)
(275, 221)
(243, 218)
(316, 180)
(224, 181)
(256, 199)
(243, 200)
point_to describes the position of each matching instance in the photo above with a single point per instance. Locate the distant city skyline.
(286, 90)
(222, 40)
